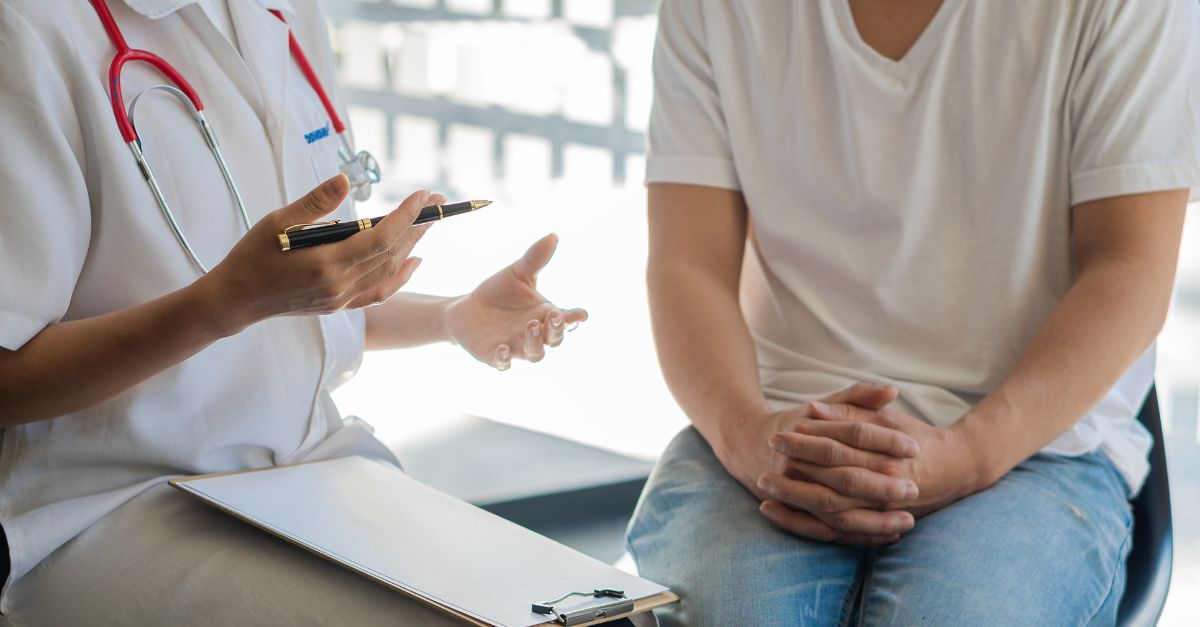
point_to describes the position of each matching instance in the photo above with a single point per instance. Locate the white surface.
(371, 516)
(966, 248)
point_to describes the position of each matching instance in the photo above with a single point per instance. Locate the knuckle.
(826, 453)
(896, 443)
(891, 468)
(320, 274)
(393, 266)
(330, 291)
(317, 200)
(827, 503)
(842, 521)
(852, 482)
(887, 416)
(860, 432)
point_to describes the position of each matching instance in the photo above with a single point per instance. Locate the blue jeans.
(1046, 545)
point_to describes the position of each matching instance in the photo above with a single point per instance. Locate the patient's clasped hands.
(851, 469)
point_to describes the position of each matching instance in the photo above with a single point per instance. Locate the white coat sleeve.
(687, 141)
(1135, 101)
(45, 220)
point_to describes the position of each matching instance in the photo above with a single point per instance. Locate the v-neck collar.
(916, 54)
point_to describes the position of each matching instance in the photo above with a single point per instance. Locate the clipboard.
(371, 518)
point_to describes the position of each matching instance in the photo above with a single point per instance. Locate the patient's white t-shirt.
(910, 220)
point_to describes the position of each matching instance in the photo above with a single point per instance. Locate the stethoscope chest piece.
(361, 169)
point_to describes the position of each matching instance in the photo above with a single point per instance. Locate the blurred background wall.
(541, 105)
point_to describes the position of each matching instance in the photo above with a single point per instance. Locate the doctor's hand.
(506, 318)
(257, 280)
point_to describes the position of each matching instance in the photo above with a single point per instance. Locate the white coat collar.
(155, 9)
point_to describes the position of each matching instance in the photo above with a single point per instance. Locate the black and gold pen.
(305, 235)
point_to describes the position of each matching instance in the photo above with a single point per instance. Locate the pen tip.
(479, 204)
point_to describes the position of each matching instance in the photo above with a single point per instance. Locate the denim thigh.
(1046, 545)
(699, 531)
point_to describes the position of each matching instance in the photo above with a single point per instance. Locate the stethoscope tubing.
(361, 167)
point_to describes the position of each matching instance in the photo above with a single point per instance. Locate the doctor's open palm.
(506, 317)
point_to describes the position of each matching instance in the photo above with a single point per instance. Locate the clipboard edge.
(455, 612)
(640, 606)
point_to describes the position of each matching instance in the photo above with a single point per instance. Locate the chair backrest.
(1148, 574)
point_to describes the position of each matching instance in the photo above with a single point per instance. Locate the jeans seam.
(1122, 561)
(868, 576)
(852, 594)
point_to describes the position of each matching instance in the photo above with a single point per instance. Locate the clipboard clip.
(614, 603)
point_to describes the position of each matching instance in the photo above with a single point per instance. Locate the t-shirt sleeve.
(45, 223)
(688, 141)
(1135, 101)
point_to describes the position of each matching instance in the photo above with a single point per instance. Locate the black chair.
(1149, 566)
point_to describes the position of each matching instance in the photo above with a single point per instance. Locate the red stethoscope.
(360, 168)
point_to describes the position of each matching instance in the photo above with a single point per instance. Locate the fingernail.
(764, 485)
(776, 443)
(821, 407)
(911, 491)
(535, 330)
(911, 449)
(555, 320)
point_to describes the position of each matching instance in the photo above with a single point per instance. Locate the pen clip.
(302, 226)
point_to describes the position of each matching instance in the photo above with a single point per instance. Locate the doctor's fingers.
(554, 326)
(533, 343)
(558, 321)
(392, 236)
(501, 358)
(316, 204)
(392, 257)
(379, 285)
